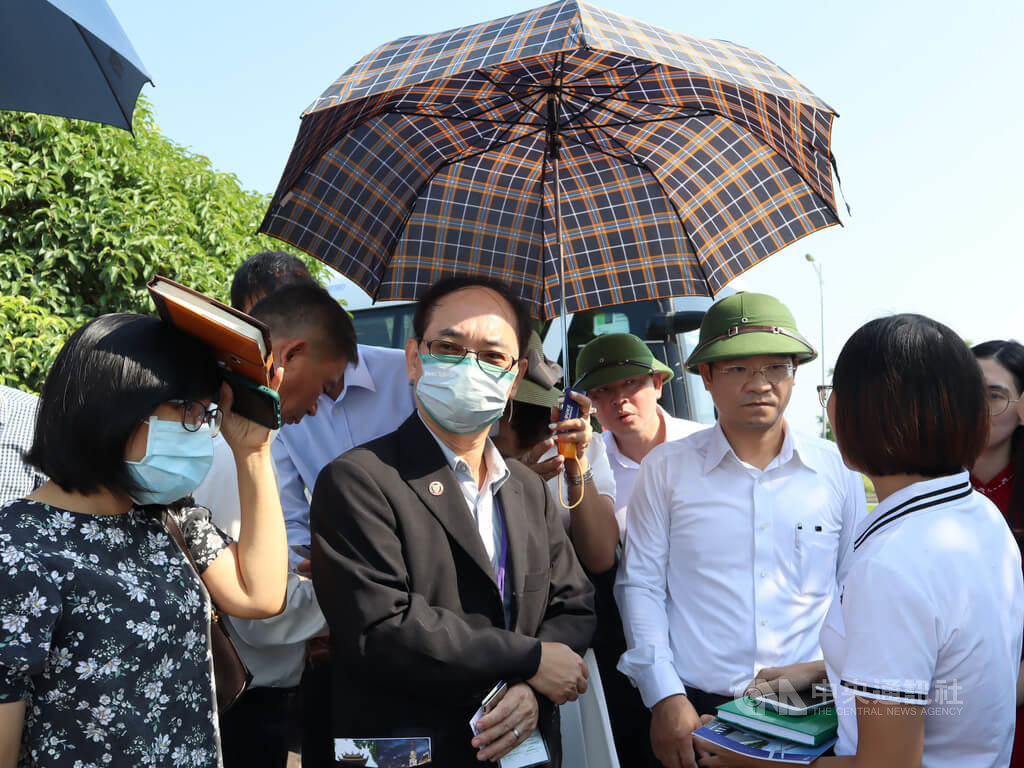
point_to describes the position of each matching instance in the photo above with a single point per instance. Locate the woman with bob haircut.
(104, 648)
(923, 645)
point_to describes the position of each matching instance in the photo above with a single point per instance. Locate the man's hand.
(673, 721)
(578, 430)
(508, 724)
(562, 675)
(548, 468)
(709, 758)
(793, 677)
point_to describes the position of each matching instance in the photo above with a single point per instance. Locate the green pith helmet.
(540, 384)
(613, 357)
(747, 325)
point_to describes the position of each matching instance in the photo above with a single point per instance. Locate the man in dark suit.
(440, 568)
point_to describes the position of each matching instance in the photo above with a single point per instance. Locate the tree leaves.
(88, 214)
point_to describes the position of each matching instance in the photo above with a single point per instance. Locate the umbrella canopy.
(69, 58)
(680, 162)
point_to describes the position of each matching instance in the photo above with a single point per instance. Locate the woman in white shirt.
(922, 647)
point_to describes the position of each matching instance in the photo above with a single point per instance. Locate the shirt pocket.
(816, 554)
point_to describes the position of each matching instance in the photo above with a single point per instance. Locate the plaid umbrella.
(563, 143)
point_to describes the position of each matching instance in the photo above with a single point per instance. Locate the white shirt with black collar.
(931, 613)
(728, 568)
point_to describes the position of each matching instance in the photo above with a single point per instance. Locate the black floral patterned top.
(104, 633)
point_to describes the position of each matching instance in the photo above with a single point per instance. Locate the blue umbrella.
(69, 58)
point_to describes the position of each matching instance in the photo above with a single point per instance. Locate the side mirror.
(665, 324)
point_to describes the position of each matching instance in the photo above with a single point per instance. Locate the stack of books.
(751, 729)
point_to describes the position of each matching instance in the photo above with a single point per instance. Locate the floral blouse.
(104, 633)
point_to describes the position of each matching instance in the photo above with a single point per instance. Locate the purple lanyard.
(503, 557)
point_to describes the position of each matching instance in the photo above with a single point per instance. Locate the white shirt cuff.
(659, 682)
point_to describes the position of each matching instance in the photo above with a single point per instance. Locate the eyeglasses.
(451, 353)
(999, 401)
(195, 414)
(824, 393)
(776, 373)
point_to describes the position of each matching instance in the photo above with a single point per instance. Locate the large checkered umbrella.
(565, 143)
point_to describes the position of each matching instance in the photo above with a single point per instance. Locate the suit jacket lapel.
(425, 468)
(517, 530)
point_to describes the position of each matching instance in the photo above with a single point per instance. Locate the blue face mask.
(175, 463)
(460, 397)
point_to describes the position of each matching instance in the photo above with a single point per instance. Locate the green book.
(809, 729)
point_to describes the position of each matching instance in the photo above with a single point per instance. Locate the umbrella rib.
(633, 160)
(520, 100)
(602, 73)
(513, 97)
(685, 112)
(611, 95)
(467, 118)
(447, 163)
(110, 87)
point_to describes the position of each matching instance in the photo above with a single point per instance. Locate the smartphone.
(496, 694)
(490, 701)
(253, 401)
(570, 410)
(794, 704)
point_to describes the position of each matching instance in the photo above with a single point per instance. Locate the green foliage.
(30, 337)
(88, 214)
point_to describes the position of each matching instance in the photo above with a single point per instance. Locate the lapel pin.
(436, 488)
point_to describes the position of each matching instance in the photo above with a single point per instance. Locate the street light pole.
(821, 306)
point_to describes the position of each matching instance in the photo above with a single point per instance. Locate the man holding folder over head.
(441, 569)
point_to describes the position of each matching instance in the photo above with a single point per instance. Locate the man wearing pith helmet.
(624, 382)
(736, 534)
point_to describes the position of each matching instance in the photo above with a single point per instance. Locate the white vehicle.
(669, 326)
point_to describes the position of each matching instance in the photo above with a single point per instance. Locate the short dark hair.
(307, 311)
(1010, 355)
(108, 378)
(444, 286)
(909, 399)
(530, 422)
(265, 272)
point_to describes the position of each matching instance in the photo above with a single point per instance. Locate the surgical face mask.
(176, 461)
(461, 397)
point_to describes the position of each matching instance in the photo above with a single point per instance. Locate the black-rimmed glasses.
(824, 393)
(194, 414)
(450, 352)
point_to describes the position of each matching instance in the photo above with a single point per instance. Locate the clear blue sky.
(928, 139)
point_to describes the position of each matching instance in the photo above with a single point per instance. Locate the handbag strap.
(171, 523)
(179, 538)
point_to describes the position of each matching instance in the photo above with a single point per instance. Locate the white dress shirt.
(376, 399)
(931, 613)
(273, 649)
(625, 469)
(728, 568)
(482, 501)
